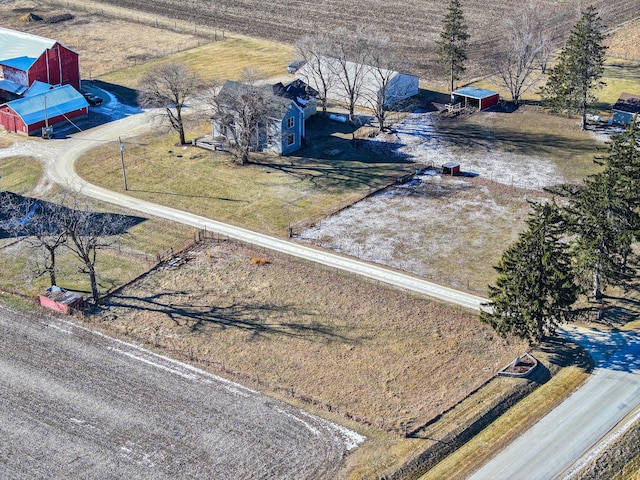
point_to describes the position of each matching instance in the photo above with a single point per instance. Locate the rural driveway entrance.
(78, 404)
(553, 444)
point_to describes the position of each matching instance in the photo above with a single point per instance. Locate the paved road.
(77, 404)
(61, 170)
(553, 444)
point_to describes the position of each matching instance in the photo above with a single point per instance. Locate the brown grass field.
(378, 355)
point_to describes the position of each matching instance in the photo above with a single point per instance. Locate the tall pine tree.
(535, 288)
(573, 80)
(452, 47)
(604, 214)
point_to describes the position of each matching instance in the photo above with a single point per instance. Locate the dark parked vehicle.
(93, 100)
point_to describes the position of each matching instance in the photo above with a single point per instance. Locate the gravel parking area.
(77, 404)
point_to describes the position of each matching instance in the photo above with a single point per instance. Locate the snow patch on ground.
(115, 109)
(422, 143)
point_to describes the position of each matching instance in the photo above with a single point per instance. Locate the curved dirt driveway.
(61, 170)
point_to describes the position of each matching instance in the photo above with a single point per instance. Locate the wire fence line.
(178, 26)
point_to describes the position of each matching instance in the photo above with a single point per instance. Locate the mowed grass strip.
(509, 426)
(265, 196)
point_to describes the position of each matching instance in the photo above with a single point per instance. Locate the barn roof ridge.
(20, 49)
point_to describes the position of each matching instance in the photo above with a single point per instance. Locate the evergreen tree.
(452, 47)
(572, 81)
(604, 214)
(535, 288)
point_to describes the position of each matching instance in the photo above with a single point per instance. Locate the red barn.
(26, 58)
(42, 106)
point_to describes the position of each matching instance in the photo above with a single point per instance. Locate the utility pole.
(124, 173)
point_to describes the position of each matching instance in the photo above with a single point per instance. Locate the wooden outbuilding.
(26, 58)
(451, 168)
(44, 108)
(475, 97)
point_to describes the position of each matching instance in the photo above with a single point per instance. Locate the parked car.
(94, 100)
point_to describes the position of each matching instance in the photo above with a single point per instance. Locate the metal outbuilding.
(475, 97)
(45, 108)
(627, 106)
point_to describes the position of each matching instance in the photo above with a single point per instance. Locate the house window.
(290, 121)
(291, 139)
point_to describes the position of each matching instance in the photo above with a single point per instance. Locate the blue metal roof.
(13, 87)
(36, 88)
(49, 104)
(475, 92)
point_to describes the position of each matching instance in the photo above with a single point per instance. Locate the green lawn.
(221, 60)
(267, 195)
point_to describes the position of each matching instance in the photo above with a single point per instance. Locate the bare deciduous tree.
(241, 114)
(314, 51)
(38, 222)
(521, 50)
(383, 63)
(552, 30)
(88, 232)
(168, 86)
(531, 35)
(349, 56)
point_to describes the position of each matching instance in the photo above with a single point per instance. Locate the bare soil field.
(96, 407)
(413, 25)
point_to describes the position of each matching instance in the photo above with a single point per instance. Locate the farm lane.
(78, 404)
(565, 435)
(60, 169)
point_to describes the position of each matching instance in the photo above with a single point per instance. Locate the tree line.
(578, 248)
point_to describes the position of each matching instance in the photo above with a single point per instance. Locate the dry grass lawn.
(19, 174)
(364, 351)
(267, 195)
